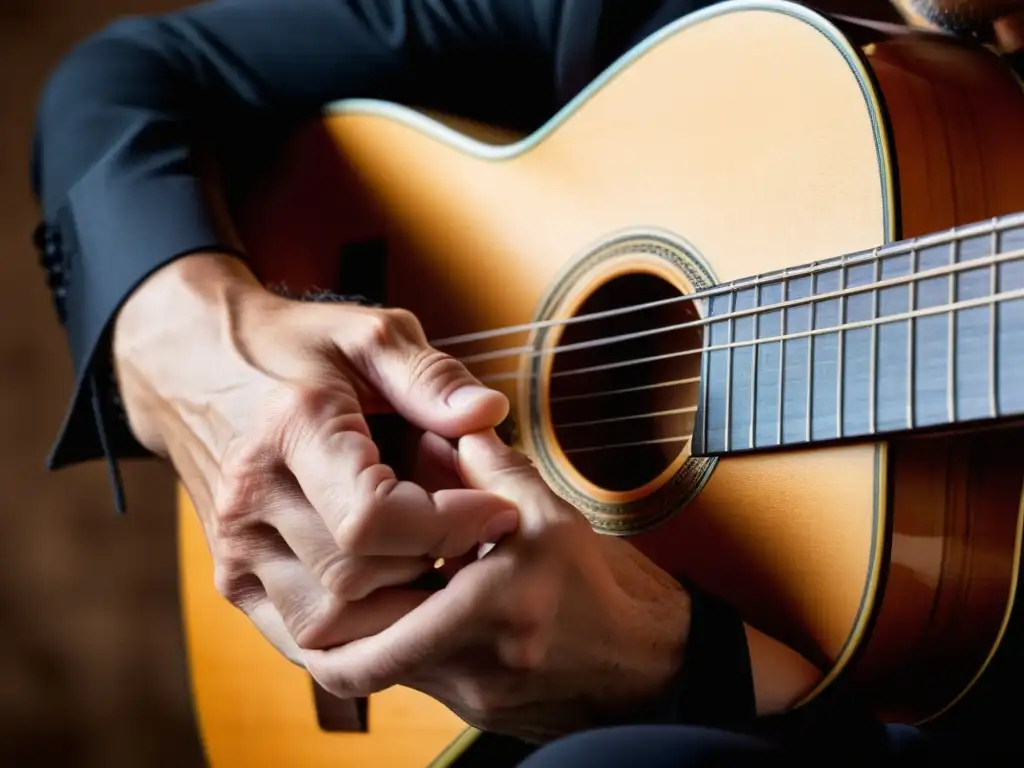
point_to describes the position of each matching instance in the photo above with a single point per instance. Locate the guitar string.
(846, 261)
(624, 390)
(629, 444)
(630, 417)
(945, 270)
(789, 336)
(905, 316)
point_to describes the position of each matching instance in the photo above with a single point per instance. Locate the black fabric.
(715, 684)
(125, 118)
(667, 746)
(655, 746)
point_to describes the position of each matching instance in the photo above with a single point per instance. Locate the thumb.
(487, 464)
(429, 388)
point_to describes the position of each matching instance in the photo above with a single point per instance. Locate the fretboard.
(917, 334)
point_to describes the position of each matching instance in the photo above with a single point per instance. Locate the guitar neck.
(918, 334)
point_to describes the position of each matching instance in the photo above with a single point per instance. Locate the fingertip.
(483, 442)
(483, 452)
(480, 406)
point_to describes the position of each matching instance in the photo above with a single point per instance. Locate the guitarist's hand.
(259, 403)
(556, 629)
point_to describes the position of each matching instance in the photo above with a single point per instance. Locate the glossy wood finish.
(955, 501)
(952, 567)
(720, 138)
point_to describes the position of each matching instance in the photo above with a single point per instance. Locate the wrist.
(656, 629)
(202, 280)
(178, 316)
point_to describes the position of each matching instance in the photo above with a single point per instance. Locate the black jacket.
(125, 113)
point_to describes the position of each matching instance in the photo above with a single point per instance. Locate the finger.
(430, 388)
(420, 639)
(465, 510)
(367, 510)
(347, 577)
(470, 613)
(268, 621)
(316, 619)
(486, 463)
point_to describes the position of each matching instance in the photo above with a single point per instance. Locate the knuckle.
(242, 488)
(513, 466)
(305, 624)
(350, 685)
(352, 535)
(404, 322)
(236, 584)
(232, 557)
(526, 653)
(318, 414)
(524, 618)
(358, 522)
(307, 405)
(345, 580)
(387, 327)
(438, 370)
(359, 447)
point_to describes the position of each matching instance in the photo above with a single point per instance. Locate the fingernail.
(464, 398)
(500, 525)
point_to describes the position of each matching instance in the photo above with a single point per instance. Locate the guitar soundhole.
(623, 412)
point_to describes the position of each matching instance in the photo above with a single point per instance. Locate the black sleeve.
(125, 114)
(714, 687)
(121, 119)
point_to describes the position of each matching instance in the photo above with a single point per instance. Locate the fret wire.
(784, 287)
(954, 251)
(730, 329)
(753, 368)
(993, 322)
(705, 384)
(872, 351)
(841, 337)
(810, 362)
(983, 301)
(911, 332)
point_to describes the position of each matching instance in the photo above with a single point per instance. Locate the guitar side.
(714, 131)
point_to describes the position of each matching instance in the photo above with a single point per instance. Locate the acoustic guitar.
(757, 298)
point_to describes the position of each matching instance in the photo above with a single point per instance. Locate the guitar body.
(752, 137)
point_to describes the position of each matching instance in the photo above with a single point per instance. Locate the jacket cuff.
(117, 228)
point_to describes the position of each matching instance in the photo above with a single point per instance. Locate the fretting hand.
(259, 402)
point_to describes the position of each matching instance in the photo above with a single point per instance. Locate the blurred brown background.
(92, 669)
